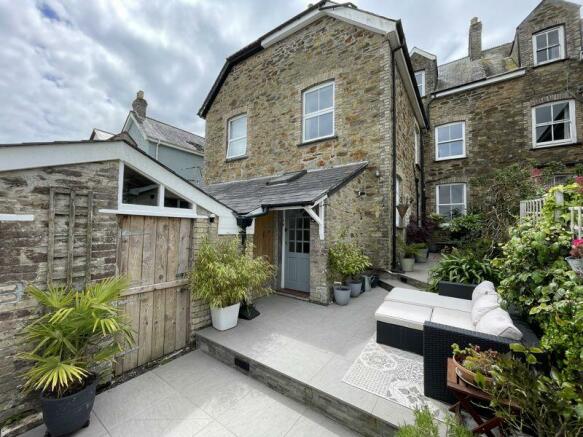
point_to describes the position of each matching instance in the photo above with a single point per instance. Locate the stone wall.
(23, 254)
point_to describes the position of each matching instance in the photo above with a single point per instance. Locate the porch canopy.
(303, 189)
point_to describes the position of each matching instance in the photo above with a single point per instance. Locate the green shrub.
(346, 260)
(223, 276)
(426, 426)
(464, 268)
(67, 339)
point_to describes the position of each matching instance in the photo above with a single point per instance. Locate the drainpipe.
(394, 157)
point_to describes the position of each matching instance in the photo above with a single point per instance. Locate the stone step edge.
(402, 278)
(347, 414)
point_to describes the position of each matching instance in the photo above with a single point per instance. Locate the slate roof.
(158, 130)
(248, 195)
(494, 61)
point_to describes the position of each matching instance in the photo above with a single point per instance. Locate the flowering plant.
(577, 248)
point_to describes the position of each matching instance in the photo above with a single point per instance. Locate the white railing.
(577, 221)
(531, 208)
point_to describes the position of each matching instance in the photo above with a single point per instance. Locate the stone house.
(179, 150)
(312, 134)
(518, 102)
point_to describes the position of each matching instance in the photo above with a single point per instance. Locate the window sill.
(236, 158)
(453, 158)
(555, 61)
(552, 146)
(318, 140)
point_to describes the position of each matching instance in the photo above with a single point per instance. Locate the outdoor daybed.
(428, 324)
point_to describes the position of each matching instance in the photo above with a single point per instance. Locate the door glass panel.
(306, 247)
(292, 247)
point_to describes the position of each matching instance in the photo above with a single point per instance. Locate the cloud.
(69, 66)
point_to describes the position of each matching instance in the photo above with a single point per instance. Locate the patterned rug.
(392, 374)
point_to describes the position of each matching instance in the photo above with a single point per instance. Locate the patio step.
(347, 414)
(391, 280)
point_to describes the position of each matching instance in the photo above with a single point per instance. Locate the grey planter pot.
(421, 255)
(576, 264)
(355, 287)
(341, 294)
(408, 264)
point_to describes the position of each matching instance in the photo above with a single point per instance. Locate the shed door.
(297, 250)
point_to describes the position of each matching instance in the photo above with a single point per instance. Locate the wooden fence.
(155, 253)
(531, 208)
(576, 221)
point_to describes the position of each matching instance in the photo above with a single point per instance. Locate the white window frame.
(398, 182)
(420, 86)
(572, 128)
(230, 140)
(465, 191)
(332, 110)
(437, 143)
(561, 30)
(417, 135)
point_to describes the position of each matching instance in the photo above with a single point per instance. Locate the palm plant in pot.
(79, 332)
(347, 262)
(223, 277)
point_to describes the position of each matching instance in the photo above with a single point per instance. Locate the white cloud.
(69, 65)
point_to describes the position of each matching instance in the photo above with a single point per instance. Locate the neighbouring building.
(514, 103)
(312, 134)
(179, 150)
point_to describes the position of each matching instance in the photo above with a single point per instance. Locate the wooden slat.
(161, 250)
(170, 321)
(184, 247)
(89, 238)
(173, 247)
(149, 252)
(181, 303)
(51, 242)
(136, 249)
(124, 245)
(120, 358)
(158, 323)
(71, 238)
(130, 360)
(145, 330)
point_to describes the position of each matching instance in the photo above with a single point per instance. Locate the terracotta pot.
(467, 375)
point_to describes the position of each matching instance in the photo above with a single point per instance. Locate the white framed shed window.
(451, 199)
(420, 78)
(237, 136)
(548, 45)
(318, 112)
(417, 145)
(450, 141)
(553, 124)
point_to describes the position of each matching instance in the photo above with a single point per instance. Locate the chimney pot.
(139, 105)
(475, 39)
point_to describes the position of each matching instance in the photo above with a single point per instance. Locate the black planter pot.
(68, 414)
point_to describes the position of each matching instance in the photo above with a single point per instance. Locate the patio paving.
(196, 395)
(315, 345)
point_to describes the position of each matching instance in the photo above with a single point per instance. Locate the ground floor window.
(451, 199)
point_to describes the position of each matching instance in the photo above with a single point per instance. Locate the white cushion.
(483, 288)
(459, 319)
(402, 314)
(498, 322)
(427, 299)
(484, 305)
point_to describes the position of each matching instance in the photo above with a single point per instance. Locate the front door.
(297, 251)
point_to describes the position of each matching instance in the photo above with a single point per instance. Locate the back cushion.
(484, 305)
(498, 322)
(483, 288)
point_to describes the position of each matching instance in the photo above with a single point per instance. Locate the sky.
(69, 66)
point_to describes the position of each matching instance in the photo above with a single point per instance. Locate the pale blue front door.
(297, 250)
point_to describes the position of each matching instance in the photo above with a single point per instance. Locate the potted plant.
(576, 258)
(347, 261)
(419, 233)
(66, 349)
(473, 365)
(223, 277)
(408, 259)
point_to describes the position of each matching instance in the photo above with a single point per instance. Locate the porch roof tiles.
(303, 188)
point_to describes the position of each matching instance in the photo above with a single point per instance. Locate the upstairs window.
(450, 141)
(451, 200)
(548, 45)
(318, 112)
(237, 137)
(417, 145)
(420, 78)
(553, 124)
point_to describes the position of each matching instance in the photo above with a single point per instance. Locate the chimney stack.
(475, 39)
(139, 105)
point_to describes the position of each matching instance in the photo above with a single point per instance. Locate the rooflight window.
(237, 137)
(548, 45)
(172, 200)
(318, 112)
(138, 189)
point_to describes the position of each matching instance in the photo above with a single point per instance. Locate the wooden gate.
(155, 254)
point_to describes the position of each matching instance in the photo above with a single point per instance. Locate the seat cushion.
(484, 305)
(459, 319)
(483, 288)
(402, 314)
(498, 322)
(427, 299)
